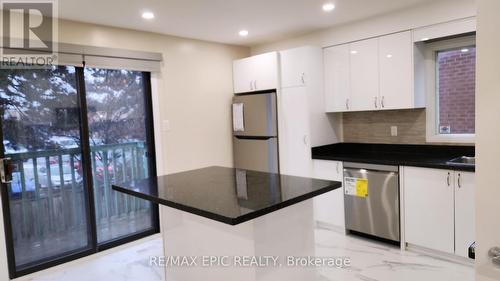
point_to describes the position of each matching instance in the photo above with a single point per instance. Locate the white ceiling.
(220, 20)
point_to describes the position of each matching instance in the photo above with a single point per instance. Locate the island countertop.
(227, 195)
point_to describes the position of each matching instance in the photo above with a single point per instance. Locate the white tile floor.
(371, 261)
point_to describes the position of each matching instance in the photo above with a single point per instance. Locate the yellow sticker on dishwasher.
(362, 187)
(356, 187)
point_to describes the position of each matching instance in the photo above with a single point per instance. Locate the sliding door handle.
(6, 170)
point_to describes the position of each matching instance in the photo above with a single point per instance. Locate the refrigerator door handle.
(253, 138)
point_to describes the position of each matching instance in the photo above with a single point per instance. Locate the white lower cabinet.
(429, 208)
(464, 212)
(329, 207)
(439, 209)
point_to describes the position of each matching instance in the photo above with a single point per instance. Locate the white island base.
(228, 253)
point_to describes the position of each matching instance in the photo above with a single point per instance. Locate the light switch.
(165, 125)
(394, 131)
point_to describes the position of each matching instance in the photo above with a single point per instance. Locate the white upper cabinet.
(396, 71)
(265, 71)
(294, 67)
(446, 29)
(464, 212)
(337, 78)
(256, 73)
(364, 75)
(242, 79)
(373, 74)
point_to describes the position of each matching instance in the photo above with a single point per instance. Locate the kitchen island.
(233, 224)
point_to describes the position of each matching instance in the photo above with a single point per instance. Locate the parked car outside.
(64, 142)
(13, 148)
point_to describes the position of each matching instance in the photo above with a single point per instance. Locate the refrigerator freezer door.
(259, 113)
(256, 154)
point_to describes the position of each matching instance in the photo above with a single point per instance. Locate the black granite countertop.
(227, 195)
(430, 156)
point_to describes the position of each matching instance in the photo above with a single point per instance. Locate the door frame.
(93, 247)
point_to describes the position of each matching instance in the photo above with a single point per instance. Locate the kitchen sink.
(463, 161)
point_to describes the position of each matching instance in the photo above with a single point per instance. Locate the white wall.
(194, 88)
(487, 138)
(428, 14)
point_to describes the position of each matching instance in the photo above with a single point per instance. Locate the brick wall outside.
(457, 76)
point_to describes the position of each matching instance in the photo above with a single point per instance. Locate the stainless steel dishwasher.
(371, 196)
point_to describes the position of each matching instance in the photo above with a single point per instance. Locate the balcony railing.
(47, 193)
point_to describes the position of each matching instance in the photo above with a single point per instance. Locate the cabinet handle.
(459, 181)
(376, 105)
(382, 101)
(347, 104)
(448, 179)
(303, 78)
(251, 85)
(255, 84)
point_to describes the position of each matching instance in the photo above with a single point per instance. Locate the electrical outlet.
(394, 131)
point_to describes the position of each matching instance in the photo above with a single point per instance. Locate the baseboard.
(440, 255)
(329, 226)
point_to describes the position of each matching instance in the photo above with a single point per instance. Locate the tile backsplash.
(375, 126)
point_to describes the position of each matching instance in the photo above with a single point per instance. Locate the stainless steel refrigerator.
(255, 132)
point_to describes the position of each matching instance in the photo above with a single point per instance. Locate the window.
(451, 67)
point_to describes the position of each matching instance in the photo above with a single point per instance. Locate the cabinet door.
(242, 75)
(293, 67)
(364, 75)
(337, 81)
(429, 210)
(329, 207)
(295, 150)
(396, 71)
(265, 71)
(464, 212)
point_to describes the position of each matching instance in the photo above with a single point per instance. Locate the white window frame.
(432, 91)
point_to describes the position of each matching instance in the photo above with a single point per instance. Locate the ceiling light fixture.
(148, 15)
(464, 50)
(424, 39)
(354, 52)
(328, 7)
(243, 33)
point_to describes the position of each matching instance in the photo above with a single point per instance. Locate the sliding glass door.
(118, 136)
(47, 202)
(68, 134)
